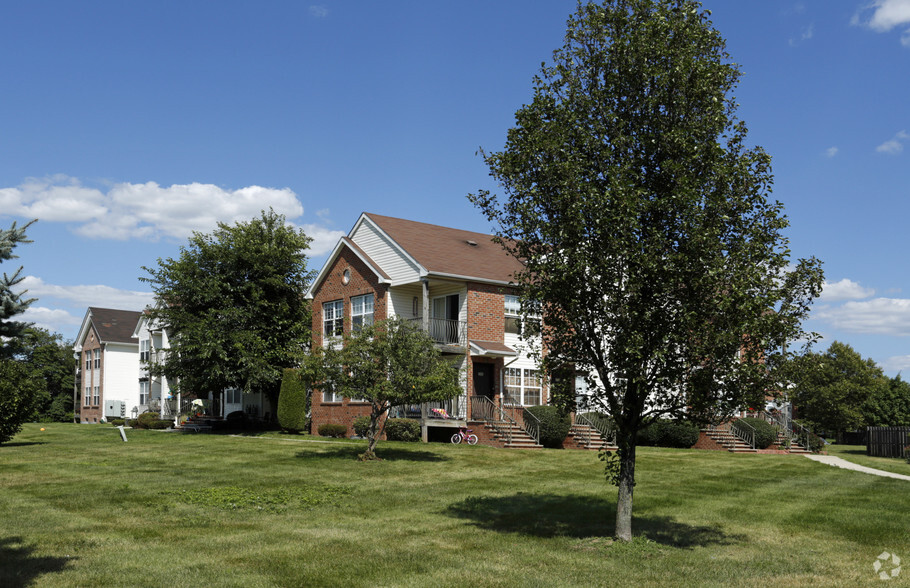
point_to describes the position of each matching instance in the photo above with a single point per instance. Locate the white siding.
(121, 374)
(385, 254)
(402, 301)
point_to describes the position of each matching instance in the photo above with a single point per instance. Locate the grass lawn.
(78, 507)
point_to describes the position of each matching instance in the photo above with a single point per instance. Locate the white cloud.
(319, 11)
(886, 15)
(897, 363)
(323, 239)
(88, 295)
(831, 151)
(845, 289)
(52, 319)
(880, 316)
(894, 146)
(144, 211)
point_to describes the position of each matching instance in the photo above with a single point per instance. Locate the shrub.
(332, 430)
(669, 433)
(402, 430)
(362, 425)
(117, 422)
(19, 394)
(765, 432)
(160, 424)
(554, 425)
(145, 420)
(292, 402)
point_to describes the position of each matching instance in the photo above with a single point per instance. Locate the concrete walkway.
(847, 465)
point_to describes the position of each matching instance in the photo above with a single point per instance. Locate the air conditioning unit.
(115, 409)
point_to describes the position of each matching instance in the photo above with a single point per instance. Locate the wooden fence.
(887, 441)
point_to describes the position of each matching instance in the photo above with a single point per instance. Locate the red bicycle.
(464, 436)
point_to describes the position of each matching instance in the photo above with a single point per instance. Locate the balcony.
(450, 335)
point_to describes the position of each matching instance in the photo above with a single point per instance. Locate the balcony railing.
(446, 331)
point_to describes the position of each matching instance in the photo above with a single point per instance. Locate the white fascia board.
(142, 319)
(83, 331)
(331, 260)
(363, 217)
(470, 279)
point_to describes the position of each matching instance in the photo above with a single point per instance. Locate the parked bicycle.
(464, 436)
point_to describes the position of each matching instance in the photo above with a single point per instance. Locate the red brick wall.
(486, 311)
(363, 281)
(705, 442)
(93, 412)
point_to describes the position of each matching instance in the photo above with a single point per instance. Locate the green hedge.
(332, 430)
(362, 425)
(765, 432)
(292, 402)
(402, 430)
(554, 425)
(669, 433)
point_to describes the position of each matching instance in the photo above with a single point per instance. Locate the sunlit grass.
(78, 507)
(857, 454)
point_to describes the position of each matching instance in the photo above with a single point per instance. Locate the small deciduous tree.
(233, 307)
(49, 357)
(645, 224)
(389, 363)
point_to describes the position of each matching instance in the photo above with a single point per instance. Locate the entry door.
(483, 379)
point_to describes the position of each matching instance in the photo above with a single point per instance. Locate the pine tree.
(12, 303)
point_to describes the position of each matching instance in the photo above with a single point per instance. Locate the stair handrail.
(531, 424)
(601, 424)
(483, 408)
(744, 432)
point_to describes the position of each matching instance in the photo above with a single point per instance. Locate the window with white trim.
(88, 360)
(361, 311)
(332, 320)
(514, 319)
(144, 345)
(97, 359)
(522, 387)
(96, 400)
(87, 398)
(143, 392)
(233, 396)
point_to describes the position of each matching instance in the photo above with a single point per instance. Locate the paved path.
(848, 465)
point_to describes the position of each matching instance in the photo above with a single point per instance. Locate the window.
(522, 387)
(97, 359)
(233, 396)
(96, 401)
(513, 314)
(87, 398)
(332, 320)
(143, 392)
(144, 349)
(330, 396)
(88, 360)
(361, 311)
(513, 317)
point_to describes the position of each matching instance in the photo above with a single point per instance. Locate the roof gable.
(450, 252)
(111, 325)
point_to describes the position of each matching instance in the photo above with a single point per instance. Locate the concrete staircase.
(509, 435)
(583, 436)
(727, 439)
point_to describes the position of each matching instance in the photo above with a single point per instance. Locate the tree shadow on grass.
(23, 444)
(19, 567)
(349, 451)
(551, 515)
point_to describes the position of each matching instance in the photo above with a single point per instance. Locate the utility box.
(115, 409)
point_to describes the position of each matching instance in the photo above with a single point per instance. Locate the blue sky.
(125, 126)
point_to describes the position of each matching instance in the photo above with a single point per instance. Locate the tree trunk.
(626, 444)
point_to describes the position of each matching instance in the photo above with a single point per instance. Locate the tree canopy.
(233, 306)
(11, 303)
(645, 224)
(388, 363)
(48, 357)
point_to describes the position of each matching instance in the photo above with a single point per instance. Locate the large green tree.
(888, 406)
(49, 357)
(834, 390)
(645, 224)
(388, 363)
(233, 306)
